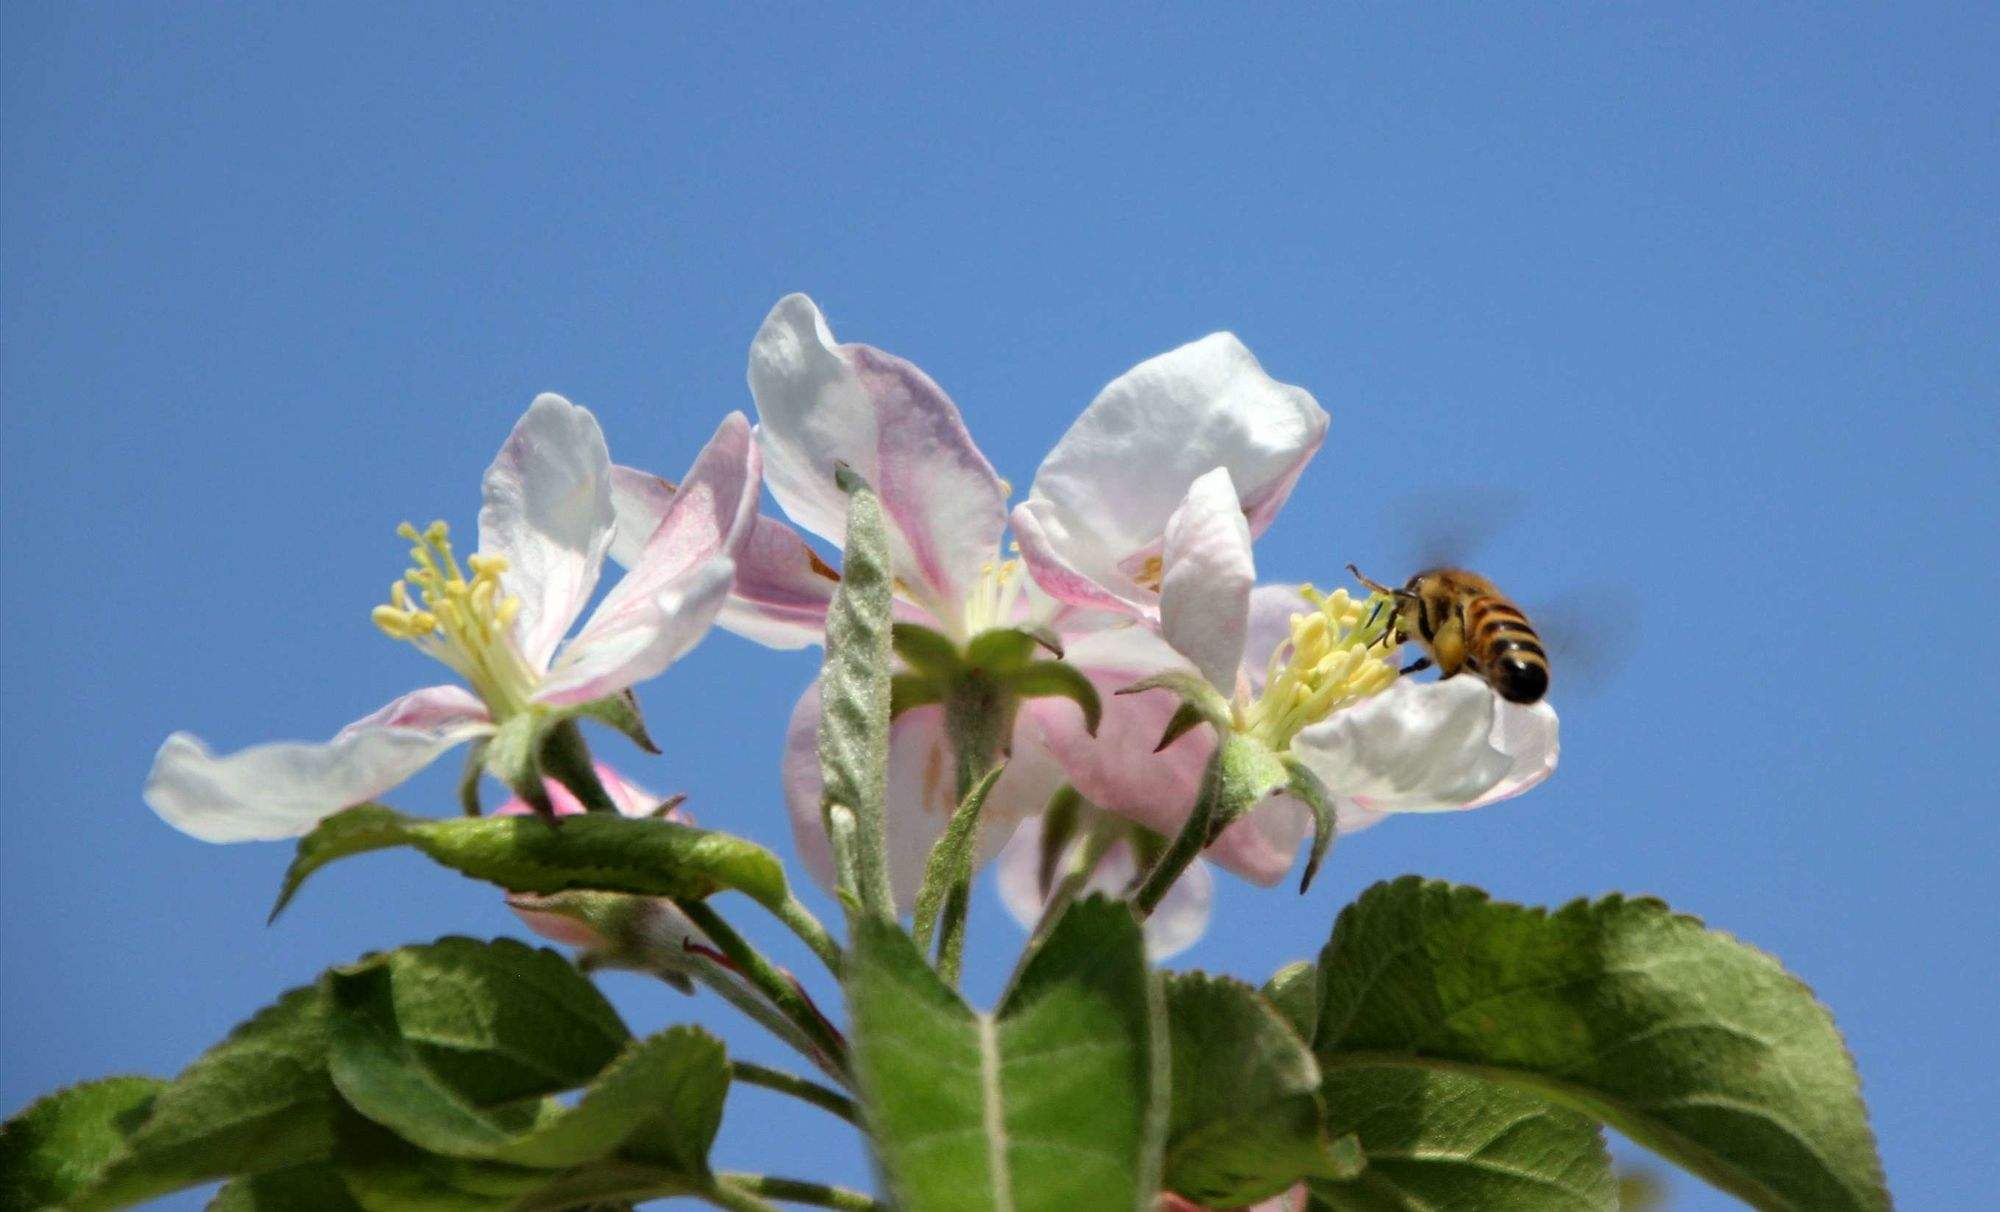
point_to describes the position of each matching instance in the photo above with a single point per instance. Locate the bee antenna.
(1377, 587)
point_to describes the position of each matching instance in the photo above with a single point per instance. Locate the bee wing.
(1446, 526)
(1588, 631)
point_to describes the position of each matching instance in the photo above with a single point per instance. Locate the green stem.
(978, 715)
(771, 981)
(798, 1191)
(804, 1089)
(809, 929)
(566, 758)
(1187, 844)
(737, 992)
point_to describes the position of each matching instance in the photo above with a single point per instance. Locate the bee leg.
(1416, 666)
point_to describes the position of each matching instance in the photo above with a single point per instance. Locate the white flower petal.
(922, 791)
(1208, 576)
(820, 403)
(1421, 747)
(782, 587)
(1102, 498)
(1529, 737)
(547, 510)
(642, 639)
(677, 583)
(283, 789)
(1176, 923)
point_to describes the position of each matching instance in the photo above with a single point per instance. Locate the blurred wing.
(1445, 526)
(1589, 632)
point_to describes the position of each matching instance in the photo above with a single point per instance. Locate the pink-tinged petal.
(1208, 576)
(1262, 846)
(632, 799)
(642, 639)
(283, 789)
(922, 791)
(547, 510)
(1429, 747)
(1180, 919)
(820, 404)
(782, 587)
(1528, 736)
(1101, 500)
(676, 585)
(1117, 769)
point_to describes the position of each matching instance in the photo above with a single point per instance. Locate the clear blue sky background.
(1714, 291)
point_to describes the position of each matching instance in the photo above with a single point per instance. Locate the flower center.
(1339, 653)
(991, 601)
(467, 624)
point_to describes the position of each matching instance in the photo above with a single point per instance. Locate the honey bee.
(1465, 623)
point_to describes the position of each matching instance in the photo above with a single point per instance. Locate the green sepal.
(1194, 691)
(1306, 787)
(1002, 649)
(1249, 772)
(469, 777)
(1185, 719)
(597, 852)
(618, 711)
(909, 690)
(1056, 679)
(924, 650)
(58, 1145)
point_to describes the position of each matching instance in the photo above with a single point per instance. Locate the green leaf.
(854, 699)
(315, 1186)
(495, 1022)
(58, 1145)
(1439, 1141)
(259, 1100)
(1246, 1122)
(597, 851)
(1682, 1038)
(1056, 679)
(1294, 990)
(1055, 1101)
(384, 1173)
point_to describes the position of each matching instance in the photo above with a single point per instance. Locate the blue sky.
(1711, 291)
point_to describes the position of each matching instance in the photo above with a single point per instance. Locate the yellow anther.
(1333, 659)
(467, 624)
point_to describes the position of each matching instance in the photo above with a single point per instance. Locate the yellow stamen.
(1338, 654)
(467, 624)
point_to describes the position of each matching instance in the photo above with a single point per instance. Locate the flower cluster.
(1131, 562)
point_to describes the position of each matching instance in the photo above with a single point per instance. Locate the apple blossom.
(545, 525)
(1100, 506)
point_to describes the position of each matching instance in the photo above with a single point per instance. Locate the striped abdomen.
(1505, 649)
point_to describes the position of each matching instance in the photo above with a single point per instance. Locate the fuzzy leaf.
(1054, 1101)
(1246, 1122)
(59, 1144)
(597, 851)
(1682, 1038)
(855, 700)
(259, 1100)
(1439, 1140)
(949, 865)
